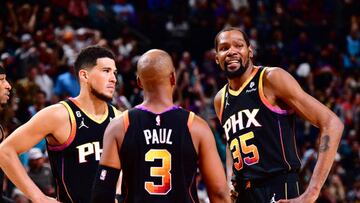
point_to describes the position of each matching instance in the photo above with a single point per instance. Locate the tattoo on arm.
(324, 143)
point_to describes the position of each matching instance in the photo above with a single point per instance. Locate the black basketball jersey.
(2, 138)
(158, 158)
(260, 136)
(74, 163)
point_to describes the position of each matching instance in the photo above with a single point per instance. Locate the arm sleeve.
(104, 187)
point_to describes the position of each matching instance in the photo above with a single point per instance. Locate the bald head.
(154, 68)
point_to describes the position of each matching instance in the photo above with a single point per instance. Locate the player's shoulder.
(54, 110)
(116, 111)
(198, 124)
(118, 126)
(274, 72)
(120, 121)
(199, 121)
(54, 114)
(275, 76)
(219, 94)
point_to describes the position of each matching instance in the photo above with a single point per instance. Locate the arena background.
(317, 41)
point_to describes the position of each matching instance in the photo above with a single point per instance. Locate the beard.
(237, 73)
(100, 95)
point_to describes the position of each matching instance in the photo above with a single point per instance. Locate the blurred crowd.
(317, 41)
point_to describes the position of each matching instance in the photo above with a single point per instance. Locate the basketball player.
(257, 111)
(158, 145)
(73, 129)
(5, 88)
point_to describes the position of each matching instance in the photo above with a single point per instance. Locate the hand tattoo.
(324, 143)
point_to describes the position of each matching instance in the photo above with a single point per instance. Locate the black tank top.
(74, 163)
(261, 137)
(158, 157)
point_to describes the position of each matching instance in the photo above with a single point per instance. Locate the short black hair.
(88, 56)
(246, 38)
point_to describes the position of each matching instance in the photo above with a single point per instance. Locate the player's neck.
(236, 83)
(157, 102)
(91, 104)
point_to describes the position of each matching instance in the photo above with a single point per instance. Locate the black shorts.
(283, 186)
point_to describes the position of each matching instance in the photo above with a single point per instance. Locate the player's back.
(158, 157)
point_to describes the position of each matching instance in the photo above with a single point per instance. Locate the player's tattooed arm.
(324, 143)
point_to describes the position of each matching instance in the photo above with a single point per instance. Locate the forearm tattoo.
(324, 143)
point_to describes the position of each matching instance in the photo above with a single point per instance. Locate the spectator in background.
(66, 84)
(45, 83)
(352, 55)
(25, 55)
(40, 173)
(19, 196)
(63, 26)
(26, 91)
(353, 196)
(40, 103)
(124, 12)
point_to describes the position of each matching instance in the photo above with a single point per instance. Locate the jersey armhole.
(264, 99)
(116, 111)
(222, 102)
(190, 119)
(72, 130)
(126, 120)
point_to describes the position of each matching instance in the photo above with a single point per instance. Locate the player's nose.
(7, 85)
(113, 77)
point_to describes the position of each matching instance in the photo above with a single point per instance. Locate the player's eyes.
(239, 45)
(223, 48)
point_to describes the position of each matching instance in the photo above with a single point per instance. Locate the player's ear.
(139, 82)
(173, 78)
(251, 52)
(83, 74)
(216, 58)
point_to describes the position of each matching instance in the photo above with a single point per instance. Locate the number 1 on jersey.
(163, 171)
(235, 147)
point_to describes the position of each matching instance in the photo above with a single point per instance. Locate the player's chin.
(106, 95)
(232, 67)
(109, 96)
(4, 100)
(233, 70)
